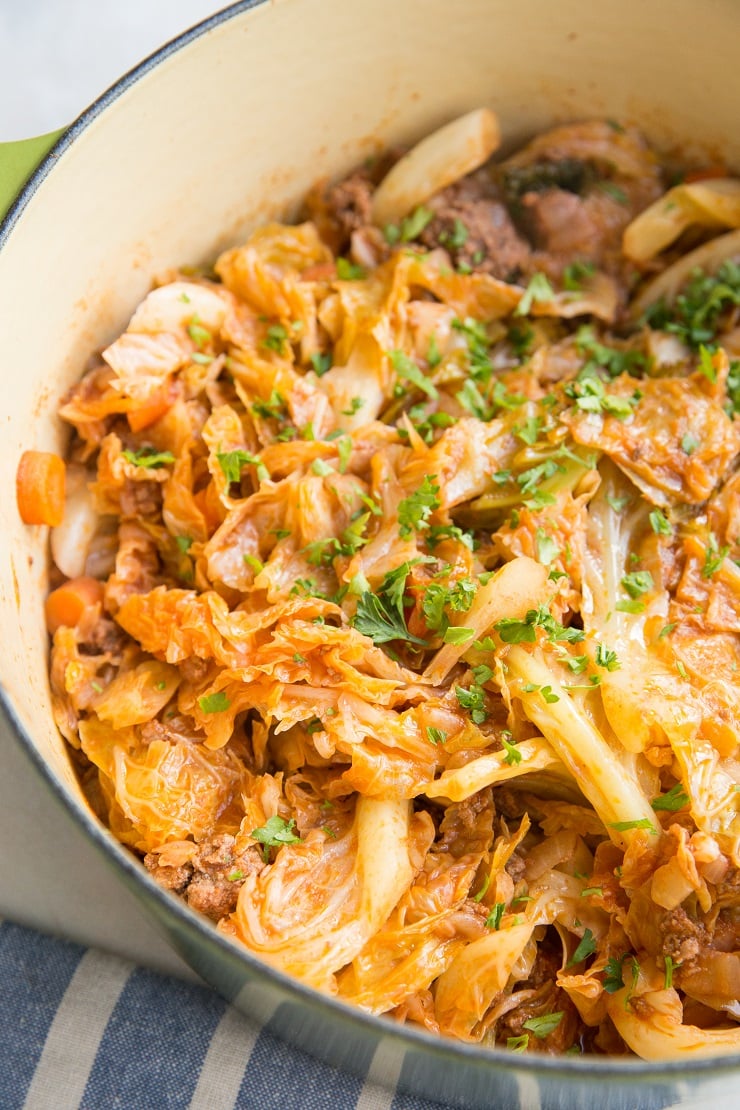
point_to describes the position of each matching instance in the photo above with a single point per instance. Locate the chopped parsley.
(438, 598)
(493, 921)
(414, 511)
(271, 409)
(689, 443)
(214, 703)
(275, 832)
(436, 735)
(670, 967)
(613, 976)
(148, 458)
(641, 823)
(407, 370)
(576, 273)
(695, 315)
(676, 798)
(473, 699)
(545, 1025)
(714, 557)
(586, 948)
(518, 1044)
(607, 658)
(199, 335)
(413, 224)
(276, 338)
(231, 463)
(321, 362)
(547, 549)
(381, 615)
(513, 631)
(538, 290)
(660, 523)
(513, 756)
(349, 271)
(637, 583)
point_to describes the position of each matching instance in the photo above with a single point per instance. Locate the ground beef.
(137, 565)
(211, 880)
(194, 670)
(476, 229)
(683, 939)
(105, 637)
(140, 498)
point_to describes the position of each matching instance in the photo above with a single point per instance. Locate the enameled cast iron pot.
(221, 129)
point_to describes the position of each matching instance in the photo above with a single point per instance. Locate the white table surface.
(56, 56)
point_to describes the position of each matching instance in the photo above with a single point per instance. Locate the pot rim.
(479, 1058)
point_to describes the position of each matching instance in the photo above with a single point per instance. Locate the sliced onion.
(71, 539)
(439, 159)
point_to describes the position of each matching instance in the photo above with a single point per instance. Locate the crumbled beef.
(104, 638)
(194, 670)
(137, 565)
(140, 498)
(683, 939)
(210, 881)
(476, 229)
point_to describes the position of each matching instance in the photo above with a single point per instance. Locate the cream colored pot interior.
(233, 127)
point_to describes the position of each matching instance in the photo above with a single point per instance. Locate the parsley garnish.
(513, 755)
(231, 463)
(613, 978)
(214, 703)
(670, 967)
(148, 458)
(349, 271)
(676, 798)
(575, 273)
(436, 735)
(493, 921)
(413, 225)
(321, 362)
(547, 549)
(276, 338)
(381, 616)
(714, 557)
(438, 597)
(472, 699)
(586, 948)
(607, 658)
(689, 443)
(199, 335)
(414, 511)
(538, 289)
(642, 823)
(518, 1044)
(638, 583)
(407, 370)
(275, 832)
(271, 409)
(544, 1025)
(660, 524)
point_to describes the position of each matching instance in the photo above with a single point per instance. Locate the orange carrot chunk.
(39, 488)
(65, 605)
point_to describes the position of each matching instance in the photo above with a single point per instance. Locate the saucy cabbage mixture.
(402, 627)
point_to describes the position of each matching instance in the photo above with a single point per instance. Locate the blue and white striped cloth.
(83, 1029)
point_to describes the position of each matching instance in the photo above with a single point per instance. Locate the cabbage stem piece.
(654, 1029)
(709, 204)
(462, 782)
(517, 587)
(441, 158)
(603, 778)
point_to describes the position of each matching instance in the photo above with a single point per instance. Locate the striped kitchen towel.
(79, 1028)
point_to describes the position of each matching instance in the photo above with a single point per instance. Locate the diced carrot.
(39, 488)
(65, 605)
(153, 409)
(706, 174)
